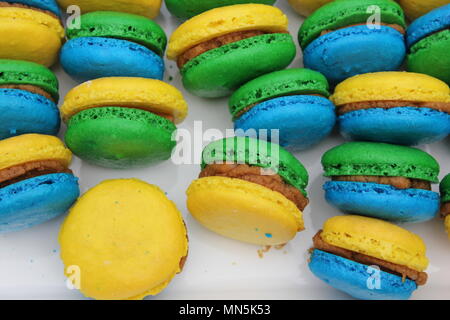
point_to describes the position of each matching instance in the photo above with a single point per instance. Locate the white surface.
(217, 268)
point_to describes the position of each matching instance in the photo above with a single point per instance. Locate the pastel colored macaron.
(445, 199)
(185, 9)
(394, 107)
(123, 122)
(368, 258)
(306, 7)
(416, 8)
(114, 44)
(293, 102)
(36, 184)
(428, 39)
(249, 190)
(221, 49)
(28, 98)
(146, 8)
(30, 30)
(339, 41)
(124, 239)
(381, 180)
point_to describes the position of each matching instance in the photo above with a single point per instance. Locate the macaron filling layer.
(390, 104)
(258, 175)
(403, 271)
(30, 88)
(396, 182)
(445, 209)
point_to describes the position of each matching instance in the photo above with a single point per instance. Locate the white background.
(217, 268)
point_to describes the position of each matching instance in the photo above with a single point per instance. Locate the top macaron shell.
(114, 44)
(306, 7)
(445, 189)
(48, 5)
(349, 48)
(416, 8)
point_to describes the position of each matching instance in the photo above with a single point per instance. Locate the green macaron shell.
(380, 159)
(445, 189)
(341, 13)
(122, 26)
(258, 153)
(185, 9)
(28, 73)
(431, 56)
(116, 137)
(278, 84)
(243, 60)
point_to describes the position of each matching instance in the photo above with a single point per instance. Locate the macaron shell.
(416, 8)
(447, 225)
(355, 50)
(25, 112)
(302, 121)
(404, 125)
(231, 65)
(383, 201)
(444, 189)
(96, 57)
(244, 211)
(353, 278)
(48, 5)
(306, 7)
(34, 201)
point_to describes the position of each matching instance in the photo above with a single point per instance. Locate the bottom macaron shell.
(96, 57)
(447, 225)
(382, 201)
(302, 120)
(405, 125)
(355, 50)
(25, 112)
(243, 211)
(218, 72)
(358, 280)
(116, 137)
(34, 201)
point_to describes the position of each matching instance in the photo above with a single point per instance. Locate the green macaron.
(445, 189)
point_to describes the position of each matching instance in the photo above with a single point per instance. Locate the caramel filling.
(445, 209)
(29, 88)
(405, 272)
(23, 6)
(253, 174)
(396, 182)
(397, 27)
(388, 104)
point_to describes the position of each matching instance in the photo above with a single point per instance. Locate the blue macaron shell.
(355, 50)
(358, 280)
(404, 125)
(302, 120)
(434, 21)
(34, 201)
(25, 112)
(382, 201)
(49, 5)
(90, 58)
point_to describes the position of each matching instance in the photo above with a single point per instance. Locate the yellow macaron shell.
(127, 239)
(27, 34)
(447, 225)
(217, 22)
(306, 7)
(244, 211)
(147, 8)
(147, 94)
(416, 8)
(32, 147)
(399, 86)
(376, 238)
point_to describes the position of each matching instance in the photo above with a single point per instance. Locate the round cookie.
(416, 8)
(148, 227)
(306, 7)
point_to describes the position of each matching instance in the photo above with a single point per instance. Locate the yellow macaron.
(306, 7)
(147, 8)
(416, 8)
(124, 239)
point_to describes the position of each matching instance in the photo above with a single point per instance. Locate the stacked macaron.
(221, 49)
(445, 199)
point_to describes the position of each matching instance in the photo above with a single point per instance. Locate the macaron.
(293, 102)
(416, 8)
(126, 239)
(381, 180)
(221, 49)
(185, 9)
(28, 98)
(114, 44)
(339, 41)
(368, 258)
(306, 7)
(123, 122)
(30, 30)
(445, 199)
(428, 39)
(146, 8)
(36, 184)
(394, 107)
(249, 190)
